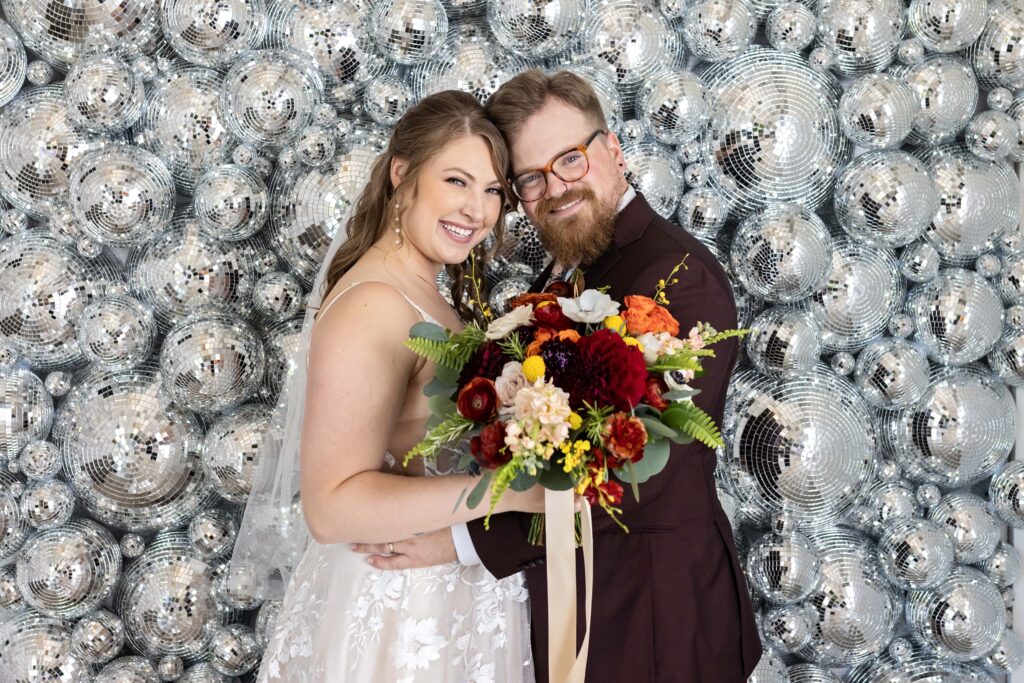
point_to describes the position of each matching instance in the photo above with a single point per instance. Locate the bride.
(436, 192)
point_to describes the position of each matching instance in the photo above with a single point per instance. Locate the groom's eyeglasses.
(569, 166)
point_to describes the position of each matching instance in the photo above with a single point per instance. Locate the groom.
(670, 600)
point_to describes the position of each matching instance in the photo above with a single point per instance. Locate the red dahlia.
(614, 373)
(487, 361)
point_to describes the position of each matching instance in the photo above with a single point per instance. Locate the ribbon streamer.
(564, 665)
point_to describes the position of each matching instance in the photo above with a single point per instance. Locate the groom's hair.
(521, 97)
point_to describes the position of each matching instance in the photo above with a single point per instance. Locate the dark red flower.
(624, 438)
(614, 373)
(478, 400)
(488, 448)
(550, 315)
(655, 388)
(609, 492)
(487, 361)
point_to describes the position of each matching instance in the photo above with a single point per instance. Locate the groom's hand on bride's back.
(425, 550)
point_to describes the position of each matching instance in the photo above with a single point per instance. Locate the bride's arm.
(358, 374)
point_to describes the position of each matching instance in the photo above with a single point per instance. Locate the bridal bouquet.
(566, 392)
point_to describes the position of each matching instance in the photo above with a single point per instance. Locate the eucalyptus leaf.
(478, 492)
(523, 481)
(680, 394)
(555, 478)
(447, 375)
(425, 330)
(654, 460)
(657, 428)
(441, 405)
(437, 387)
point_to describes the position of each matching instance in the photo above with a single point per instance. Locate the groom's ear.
(615, 147)
(398, 168)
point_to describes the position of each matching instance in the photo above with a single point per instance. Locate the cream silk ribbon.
(564, 666)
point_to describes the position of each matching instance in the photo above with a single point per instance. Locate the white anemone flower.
(590, 307)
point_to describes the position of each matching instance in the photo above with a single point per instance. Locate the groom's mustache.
(545, 205)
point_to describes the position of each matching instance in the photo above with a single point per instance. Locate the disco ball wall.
(173, 171)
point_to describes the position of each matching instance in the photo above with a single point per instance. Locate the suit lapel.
(542, 280)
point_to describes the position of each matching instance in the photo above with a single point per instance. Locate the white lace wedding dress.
(343, 620)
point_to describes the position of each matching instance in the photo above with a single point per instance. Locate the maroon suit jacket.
(670, 599)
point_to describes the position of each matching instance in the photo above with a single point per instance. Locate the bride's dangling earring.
(398, 228)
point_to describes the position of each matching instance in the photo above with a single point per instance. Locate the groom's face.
(574, 219)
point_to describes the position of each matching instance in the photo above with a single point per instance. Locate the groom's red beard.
(580, 238)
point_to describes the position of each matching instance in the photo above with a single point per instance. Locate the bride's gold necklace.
(430, 285)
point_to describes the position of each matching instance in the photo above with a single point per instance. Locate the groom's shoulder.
(665, 244)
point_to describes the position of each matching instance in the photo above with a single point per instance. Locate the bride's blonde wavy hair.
(420, 134)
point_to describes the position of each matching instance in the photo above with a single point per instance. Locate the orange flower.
(544, 334)
(644, 315)
(530, 298)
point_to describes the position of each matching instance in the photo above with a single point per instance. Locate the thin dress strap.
(423, 314)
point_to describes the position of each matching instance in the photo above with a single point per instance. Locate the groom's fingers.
(374, 548)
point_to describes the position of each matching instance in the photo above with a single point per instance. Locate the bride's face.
(457, 201)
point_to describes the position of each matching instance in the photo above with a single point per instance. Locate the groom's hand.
(426, 550)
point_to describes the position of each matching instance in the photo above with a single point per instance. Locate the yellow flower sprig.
(666, 282)
(477, 299)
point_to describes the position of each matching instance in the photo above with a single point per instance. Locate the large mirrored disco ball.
(184, 269)
(117, 332)
(782, 253)
(34, 647)
(182, 123)
(602, 77)
(885, 198)
(891, 373)
(166, 600)
(13, 63)
(121, 195)
(308, 205)
(38, 143)
(130, 668)
(773, 135)
(958, 316)
(44, 287)
(654, 171)
(26, 410)
(536, 30)
(132, 458)
(947, 25)
(269, 96)
(783, 568)
(856, 610)
(980, 200)
(633, 38)
(674, 106)
(973, 530)
(716, 30)
(916, 665)
(863, 291)
(1007, 656)
(409, 31)
(877, 111)
(68, 571)
(960, 619)
(213, 32)
(104, 93)
(211, 362)
(804, 445)
(947, 94)
(960, 430)
(231, 202)
(79, 27)
(784, 341)
(915, 553)
(469, 60)
(860, 45)
(13, 528)
(232, 449)
(996, 55)
(336, 36)
(1006, 492)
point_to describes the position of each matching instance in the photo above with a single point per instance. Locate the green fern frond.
(687, 418)
(452, 429)
(685, 360)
